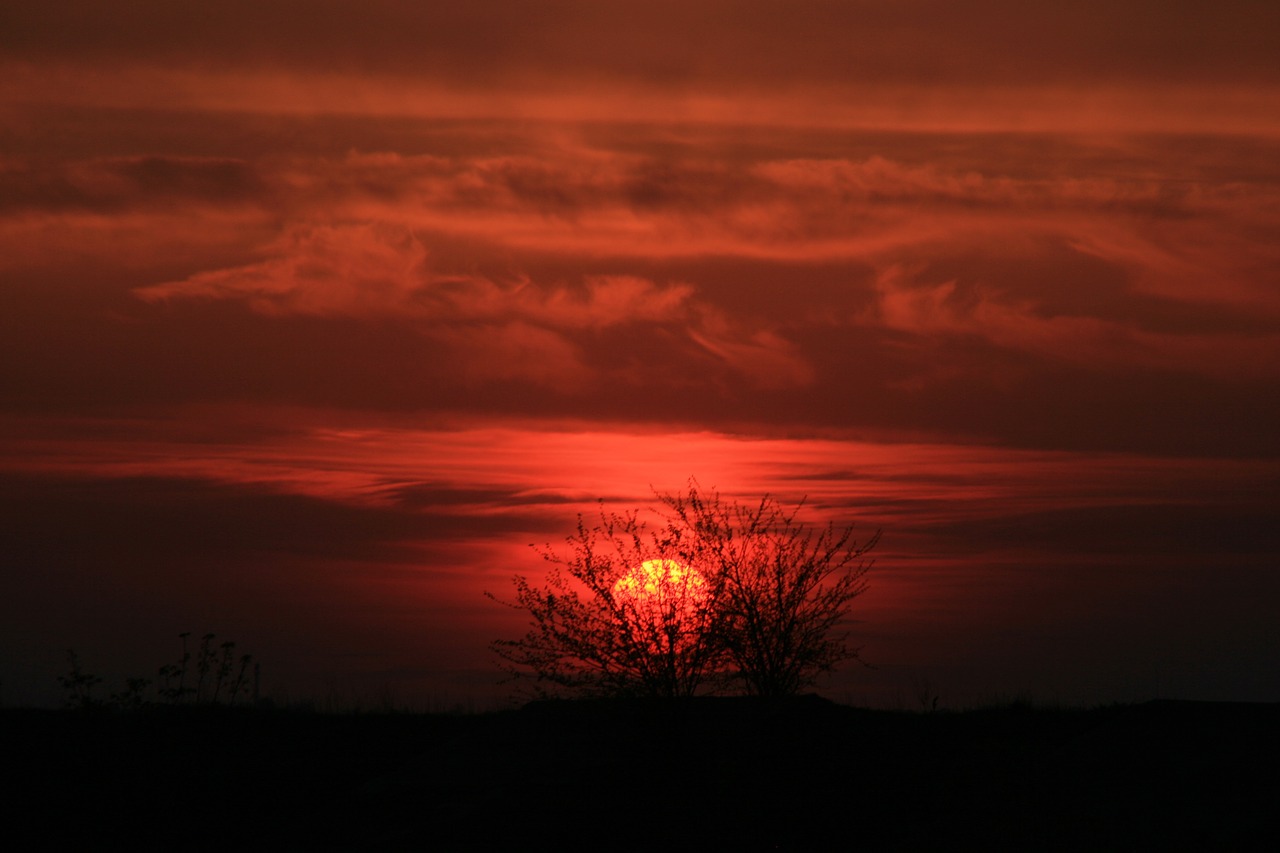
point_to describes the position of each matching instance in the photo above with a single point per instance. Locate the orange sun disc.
(661, 579)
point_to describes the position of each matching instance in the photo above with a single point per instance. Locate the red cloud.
(494, 330)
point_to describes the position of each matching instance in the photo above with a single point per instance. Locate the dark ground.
(715, 774)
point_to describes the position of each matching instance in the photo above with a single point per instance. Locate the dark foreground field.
(712, 775)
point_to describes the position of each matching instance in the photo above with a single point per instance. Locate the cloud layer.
(782, 279)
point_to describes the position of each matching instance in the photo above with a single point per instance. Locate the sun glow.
(665, 602)
(660, 579)
(662, 592)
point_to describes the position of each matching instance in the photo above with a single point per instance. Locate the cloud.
(382, 269)
(1001, 286)
(575, 199)
(1178, 260)
(120, 184)
(355, 271)
(721, 42)
(509, 330)
(924, 64)
(770, 360)
(881, 180)
(1016, 322)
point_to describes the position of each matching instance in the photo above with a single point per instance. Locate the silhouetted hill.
(709, 774)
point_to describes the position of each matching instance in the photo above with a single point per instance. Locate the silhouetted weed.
(79, 684)
(221, 678)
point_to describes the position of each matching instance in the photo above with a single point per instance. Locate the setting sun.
(663, 579)
(665, 601)
(663, 596)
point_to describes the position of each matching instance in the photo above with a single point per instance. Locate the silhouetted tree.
(621, 614)
(782, 587)
(716, 592)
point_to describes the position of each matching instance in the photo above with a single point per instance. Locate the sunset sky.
(314, 315)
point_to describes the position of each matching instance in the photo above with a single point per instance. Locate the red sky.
(315, 315)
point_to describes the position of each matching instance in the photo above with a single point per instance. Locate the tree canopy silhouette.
(712, 595)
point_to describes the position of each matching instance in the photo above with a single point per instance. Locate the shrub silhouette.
(715, 595)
